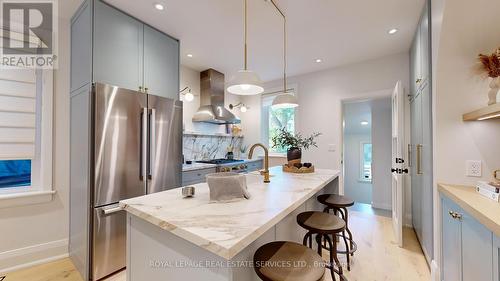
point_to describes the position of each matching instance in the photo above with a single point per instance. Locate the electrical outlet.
(332, 147)
(473, 168)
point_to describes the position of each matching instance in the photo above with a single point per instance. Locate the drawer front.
(254, 166)
(195, 176)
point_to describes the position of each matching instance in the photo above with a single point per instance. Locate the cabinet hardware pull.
(419, 159)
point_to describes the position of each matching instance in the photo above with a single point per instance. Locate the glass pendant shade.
(188, 96)
(245, 83)
(285, 100)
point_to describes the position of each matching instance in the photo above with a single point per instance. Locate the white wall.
(382, 153)
(191, 78)
(37, 232)
(467, 29)
(320, 95)
(360, 191)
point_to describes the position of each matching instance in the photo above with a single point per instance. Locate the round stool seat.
(288, 261)
(320, 222)
(335, 200)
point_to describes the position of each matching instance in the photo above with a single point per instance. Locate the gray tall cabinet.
(111, 47)
(421, 134)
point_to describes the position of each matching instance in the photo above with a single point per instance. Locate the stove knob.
(242, 166)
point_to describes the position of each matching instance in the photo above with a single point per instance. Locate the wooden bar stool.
(288, 261)
(324, 225)
(339, 205)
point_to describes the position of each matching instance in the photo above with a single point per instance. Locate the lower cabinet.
(496, 258)
(254, 165)
(195, 176)
(468, 247)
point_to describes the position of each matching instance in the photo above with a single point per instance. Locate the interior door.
(398, 161)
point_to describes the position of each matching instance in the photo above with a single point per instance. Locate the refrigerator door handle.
(114, 209)
(142, 143)
(152, 142)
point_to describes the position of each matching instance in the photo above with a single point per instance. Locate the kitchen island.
(171, 238)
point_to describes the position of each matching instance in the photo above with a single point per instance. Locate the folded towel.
(227, 187)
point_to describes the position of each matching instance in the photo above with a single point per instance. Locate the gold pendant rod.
(245, 27)
(284, 44)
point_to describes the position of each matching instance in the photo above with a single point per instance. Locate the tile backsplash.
(204, 147)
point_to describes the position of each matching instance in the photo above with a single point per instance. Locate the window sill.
(22, 198)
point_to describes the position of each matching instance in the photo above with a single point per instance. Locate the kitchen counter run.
(225, 229)
(486, 211)
(201, 166)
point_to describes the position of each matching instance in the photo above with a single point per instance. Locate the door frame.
(370, 96)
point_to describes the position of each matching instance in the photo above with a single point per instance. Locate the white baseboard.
(387, 207)
(33, 255)
(408, 220)
(435, 272)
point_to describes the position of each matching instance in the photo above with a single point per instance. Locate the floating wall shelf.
(485, 113)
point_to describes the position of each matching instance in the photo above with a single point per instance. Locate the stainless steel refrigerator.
(136, 150)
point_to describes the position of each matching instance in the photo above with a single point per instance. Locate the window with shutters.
(25, 132)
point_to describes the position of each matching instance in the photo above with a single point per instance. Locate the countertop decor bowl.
(227, 187)
(301, 170)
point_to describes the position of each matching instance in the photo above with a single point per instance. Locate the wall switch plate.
(332, 147)
(473, 168)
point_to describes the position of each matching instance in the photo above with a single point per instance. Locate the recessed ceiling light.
(189, 55)
(364, 123)
(159, 6)
(392, 31)
(318, 60)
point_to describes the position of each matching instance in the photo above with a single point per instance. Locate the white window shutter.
(17, 114)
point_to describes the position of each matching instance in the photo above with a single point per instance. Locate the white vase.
(494, 87)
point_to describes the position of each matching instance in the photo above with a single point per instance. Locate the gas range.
(227, 165)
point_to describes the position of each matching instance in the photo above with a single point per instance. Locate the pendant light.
(287, 99)
(245, 82)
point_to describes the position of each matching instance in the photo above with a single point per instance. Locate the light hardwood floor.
(378, 257)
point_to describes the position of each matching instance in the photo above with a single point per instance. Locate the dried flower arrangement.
(491, 63)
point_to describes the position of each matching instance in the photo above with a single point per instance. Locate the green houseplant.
(293, 143)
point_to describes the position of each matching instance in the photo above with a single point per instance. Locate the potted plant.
(490, 65)
(293, 143)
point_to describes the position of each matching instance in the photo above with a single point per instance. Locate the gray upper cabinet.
(161, 64)
(118, 48)
(111, 47)
(425, 48)
(81, 49)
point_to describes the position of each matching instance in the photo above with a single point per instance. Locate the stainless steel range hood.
(212, 108)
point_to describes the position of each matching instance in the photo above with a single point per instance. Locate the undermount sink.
(227, 186)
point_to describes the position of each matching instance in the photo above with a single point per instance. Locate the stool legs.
(332, 246)
(345, 217)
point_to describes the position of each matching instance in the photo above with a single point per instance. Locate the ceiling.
(338, 32)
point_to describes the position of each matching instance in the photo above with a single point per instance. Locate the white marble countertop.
(486, 211)
(227, 228)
